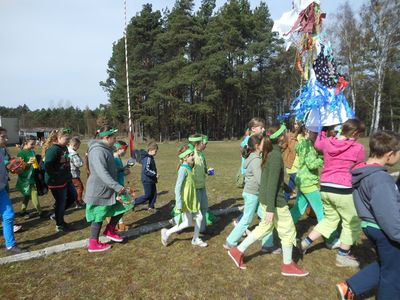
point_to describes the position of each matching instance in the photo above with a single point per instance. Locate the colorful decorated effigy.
(321, 101)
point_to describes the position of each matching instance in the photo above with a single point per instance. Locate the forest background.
(211, 71)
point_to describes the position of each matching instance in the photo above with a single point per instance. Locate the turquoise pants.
(251, 205)
(304, 200)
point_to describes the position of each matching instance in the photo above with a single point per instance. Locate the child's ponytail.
(51, 139)
(271, 138)
(253, 141)
(352, 127)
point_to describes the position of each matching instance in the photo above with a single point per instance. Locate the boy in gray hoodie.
(377, 201)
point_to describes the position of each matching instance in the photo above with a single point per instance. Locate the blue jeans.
(202, 197)
(291, 184)
(250, 208)
(382, 274)
(64, 198)
(150, 194)
(7, 214)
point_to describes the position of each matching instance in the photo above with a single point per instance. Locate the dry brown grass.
(143, 269)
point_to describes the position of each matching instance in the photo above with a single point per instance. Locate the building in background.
(40, 132)
(12, 126)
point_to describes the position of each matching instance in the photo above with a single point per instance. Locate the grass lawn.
(142, 268)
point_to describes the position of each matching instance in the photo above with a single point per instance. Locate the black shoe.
(15, 250)
(63, 228)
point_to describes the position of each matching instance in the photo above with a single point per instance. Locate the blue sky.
(55, 53)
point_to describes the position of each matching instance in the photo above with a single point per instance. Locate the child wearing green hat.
(200, 171)
(187, 205)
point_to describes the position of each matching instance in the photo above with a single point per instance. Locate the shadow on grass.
(77, 225)
(16, 200)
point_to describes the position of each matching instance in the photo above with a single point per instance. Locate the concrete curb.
(83, 243)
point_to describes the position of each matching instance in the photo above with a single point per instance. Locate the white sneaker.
(164, 237)
(199, 242)
(241, 208)
(346, 261)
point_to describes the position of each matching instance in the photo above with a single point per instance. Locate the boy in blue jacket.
(377, 201)
(6, 209)
(149, 176)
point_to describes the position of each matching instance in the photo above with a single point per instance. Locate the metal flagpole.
(131, 141)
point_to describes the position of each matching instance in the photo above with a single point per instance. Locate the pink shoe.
(112, 234)
(96, 246)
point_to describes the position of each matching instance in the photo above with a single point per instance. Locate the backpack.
(38, 175)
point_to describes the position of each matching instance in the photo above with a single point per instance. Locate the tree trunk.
(371, 130)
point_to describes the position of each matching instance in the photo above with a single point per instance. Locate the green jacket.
(309, 163)
(26, 178)
(271, 187)
(27, 174)
(199, 170)
(57, 166)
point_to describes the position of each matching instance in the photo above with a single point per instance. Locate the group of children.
(58, 170)
(346, 196)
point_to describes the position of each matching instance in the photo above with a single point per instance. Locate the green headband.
(203, 138)
(64, 130)
(119, 146)
(195, 138)
(278, 133)
(189, 150)
(108, 132)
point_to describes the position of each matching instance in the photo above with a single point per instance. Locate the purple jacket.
(339, 157)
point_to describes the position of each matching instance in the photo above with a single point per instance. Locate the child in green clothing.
(187, 204)
(26, 181)
(120, 148)
(275, 210)
(200, 171)
(307, 178)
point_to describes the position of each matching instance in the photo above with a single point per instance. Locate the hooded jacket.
(309, 163)
(339, 157)
(377, 198)
(149, 169)
(101, 186)
(253, 174)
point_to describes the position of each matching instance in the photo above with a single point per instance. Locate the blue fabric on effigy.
(318, 100)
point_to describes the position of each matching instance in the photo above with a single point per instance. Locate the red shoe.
(344, 292)
(293, 269)
(96, 246)
(112, 234)
(237, 257)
